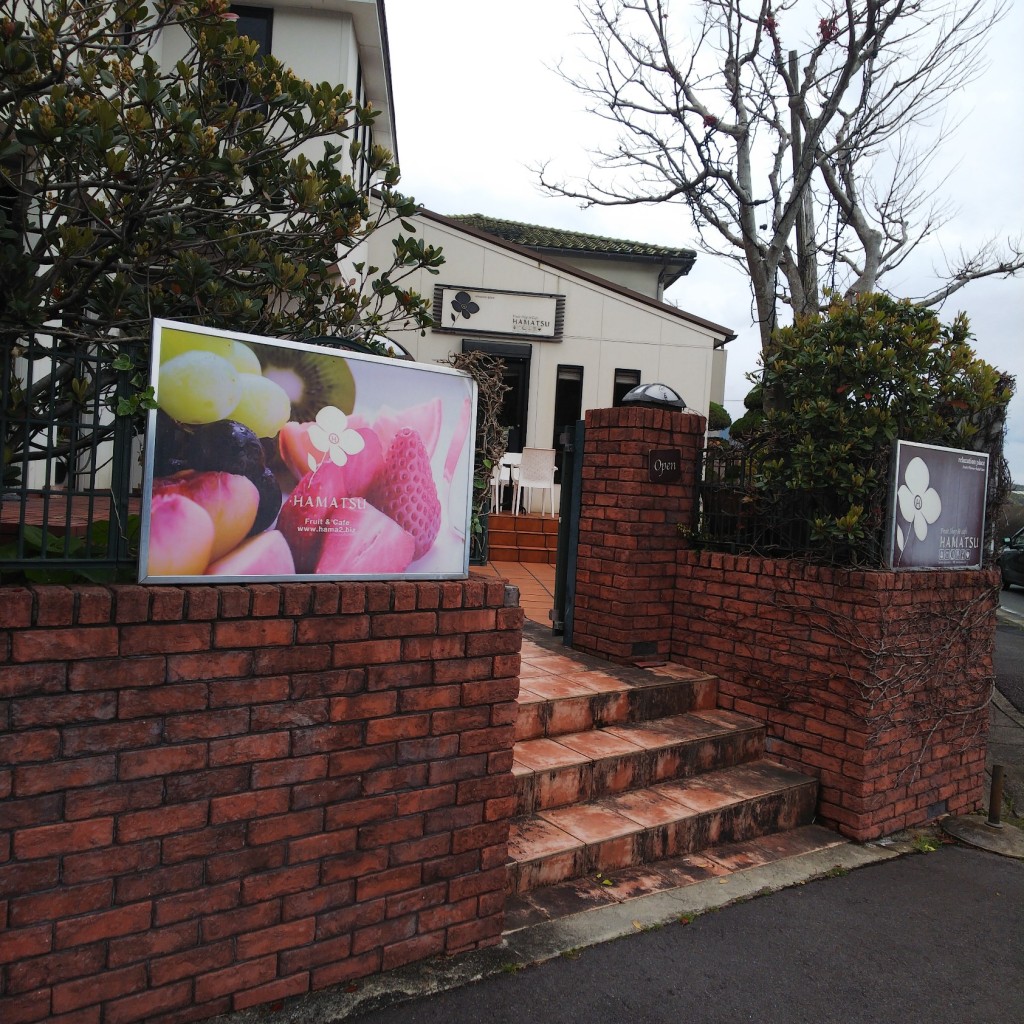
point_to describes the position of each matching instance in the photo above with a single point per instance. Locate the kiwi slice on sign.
(310, 379)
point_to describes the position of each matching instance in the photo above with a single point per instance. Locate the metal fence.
(69, 464)
(740, 512)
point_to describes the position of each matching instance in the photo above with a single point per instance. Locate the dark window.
(364, 136)
(568, 406)
(515, 403)
(625, 381)
(257, 24)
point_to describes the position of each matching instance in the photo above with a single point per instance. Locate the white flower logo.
(919, 503)
(332, 435)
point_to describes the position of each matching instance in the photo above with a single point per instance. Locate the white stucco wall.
(604, 330)
(640, 277)
(319, 46)
(320, 41)
(718, 366)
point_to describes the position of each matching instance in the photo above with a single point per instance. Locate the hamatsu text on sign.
(308, 501)
(957, 547)
(532, 324)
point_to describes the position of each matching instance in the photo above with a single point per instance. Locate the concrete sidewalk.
(1006, 728)
(912, 938)
(920, 938)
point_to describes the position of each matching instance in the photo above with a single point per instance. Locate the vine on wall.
(491, 436)
(920, 671)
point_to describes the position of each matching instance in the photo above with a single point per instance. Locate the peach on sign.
(266, 554)
(230, 500)
(180, 537)
(372, 544)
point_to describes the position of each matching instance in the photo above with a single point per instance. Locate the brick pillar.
(628, 536)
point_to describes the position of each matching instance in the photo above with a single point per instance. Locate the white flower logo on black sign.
(919, 503)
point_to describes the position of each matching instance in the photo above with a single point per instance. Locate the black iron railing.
(70, 462)
(739, 511)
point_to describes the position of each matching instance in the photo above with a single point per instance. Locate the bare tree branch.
(786, 139)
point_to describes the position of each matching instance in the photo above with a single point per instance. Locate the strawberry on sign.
(406, 492)
(280, 460)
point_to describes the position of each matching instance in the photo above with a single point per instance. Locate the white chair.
(536, 472)
(502, 475)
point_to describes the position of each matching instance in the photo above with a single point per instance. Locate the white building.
(578, 319)
(339, 41)
(572, 336)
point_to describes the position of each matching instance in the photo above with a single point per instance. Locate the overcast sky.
(477, 107)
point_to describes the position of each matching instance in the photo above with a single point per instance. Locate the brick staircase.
(527, 537)
(617, 770)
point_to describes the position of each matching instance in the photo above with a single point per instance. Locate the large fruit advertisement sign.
(277, 460)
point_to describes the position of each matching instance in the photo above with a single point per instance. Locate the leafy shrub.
(747, 425)
(869, 371)
(718, 417)
(218, 190)
(750, 422)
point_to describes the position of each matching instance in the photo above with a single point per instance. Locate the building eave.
(556, 263)
(671, 269)
(370, 22)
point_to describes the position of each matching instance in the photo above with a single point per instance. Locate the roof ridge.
(541, 237)
(562, 266)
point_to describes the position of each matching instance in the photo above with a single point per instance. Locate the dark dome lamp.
(654, 396)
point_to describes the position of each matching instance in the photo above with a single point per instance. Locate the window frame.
(617, 396)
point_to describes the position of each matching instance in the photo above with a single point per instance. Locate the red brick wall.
(628, 536)
(212, 798)
(878, 683)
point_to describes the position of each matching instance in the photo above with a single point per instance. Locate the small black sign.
(664, 465)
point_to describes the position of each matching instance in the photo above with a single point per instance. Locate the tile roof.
(534, 236)
(556, 259)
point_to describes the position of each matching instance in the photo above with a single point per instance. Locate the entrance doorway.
(516, 402)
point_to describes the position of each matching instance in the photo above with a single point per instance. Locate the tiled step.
(587, 765)
(555, 704)
(622, 885)
(510, 539)
(544, 556)
(522, 538)
(523, 523)
(501, 538)
(666, 820)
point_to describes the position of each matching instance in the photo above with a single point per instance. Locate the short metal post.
(565, 499)
(995, 798)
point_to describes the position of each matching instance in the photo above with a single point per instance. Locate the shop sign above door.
(462, 310)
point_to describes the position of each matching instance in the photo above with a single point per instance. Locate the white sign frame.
(461, 309)
(436, 403)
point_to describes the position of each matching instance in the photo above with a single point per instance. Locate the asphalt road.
(934, 938)
(1009, 654)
